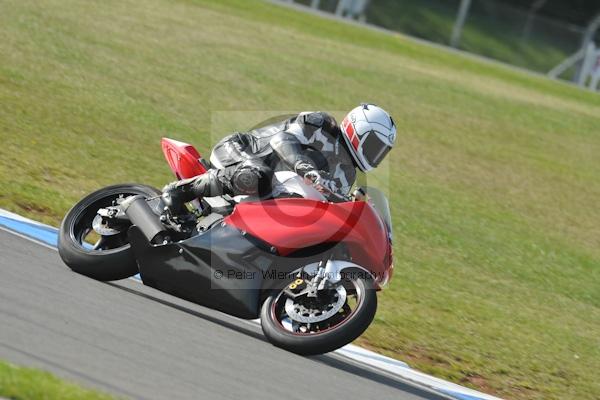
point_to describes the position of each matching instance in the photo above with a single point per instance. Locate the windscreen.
(380, 203)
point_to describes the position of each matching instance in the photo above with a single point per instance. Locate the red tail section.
(183, 158)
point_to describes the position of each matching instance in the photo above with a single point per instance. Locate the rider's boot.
(177, 193)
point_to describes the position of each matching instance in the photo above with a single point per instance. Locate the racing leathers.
(309, 144)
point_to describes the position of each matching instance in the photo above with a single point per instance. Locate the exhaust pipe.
(141, 215)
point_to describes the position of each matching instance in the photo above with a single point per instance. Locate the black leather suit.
(243, 163)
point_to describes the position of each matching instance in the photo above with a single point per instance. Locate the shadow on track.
(333, 361)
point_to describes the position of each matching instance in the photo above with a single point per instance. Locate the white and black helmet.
(370, 134)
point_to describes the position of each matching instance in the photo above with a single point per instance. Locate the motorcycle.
(309, 265)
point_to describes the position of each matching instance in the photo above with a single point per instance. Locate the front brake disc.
(299, 312)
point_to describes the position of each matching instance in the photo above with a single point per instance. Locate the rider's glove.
(320, 181)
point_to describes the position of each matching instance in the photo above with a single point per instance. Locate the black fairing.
(221, 268)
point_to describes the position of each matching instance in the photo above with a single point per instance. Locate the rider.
(310, 144)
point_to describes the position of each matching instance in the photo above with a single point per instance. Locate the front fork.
(328, 274)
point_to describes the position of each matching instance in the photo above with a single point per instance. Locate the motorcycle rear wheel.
(111, 257)
(337, 331)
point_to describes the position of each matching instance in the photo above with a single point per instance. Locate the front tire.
(345, 329)
(111, 258)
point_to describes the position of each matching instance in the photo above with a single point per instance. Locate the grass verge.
(494, 184)
(18, 383)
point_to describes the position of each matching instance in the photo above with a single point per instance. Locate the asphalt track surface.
(133, 341)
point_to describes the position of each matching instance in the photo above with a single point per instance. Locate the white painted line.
(17, 217)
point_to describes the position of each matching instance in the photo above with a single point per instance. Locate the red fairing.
(183, 158)
(293, 224)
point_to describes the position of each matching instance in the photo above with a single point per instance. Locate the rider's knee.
(252, 177)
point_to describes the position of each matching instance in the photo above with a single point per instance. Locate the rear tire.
(108, 264)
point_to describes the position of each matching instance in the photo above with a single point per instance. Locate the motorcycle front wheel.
(309, 326)
(103, 257)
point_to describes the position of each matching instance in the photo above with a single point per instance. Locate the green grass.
(494, 184)
(18, 383)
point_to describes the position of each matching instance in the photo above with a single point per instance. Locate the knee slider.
(252, 177)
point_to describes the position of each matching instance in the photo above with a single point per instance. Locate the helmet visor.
(374, 149)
